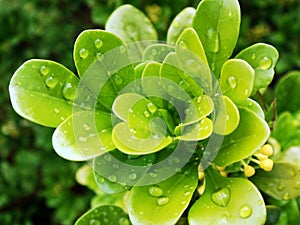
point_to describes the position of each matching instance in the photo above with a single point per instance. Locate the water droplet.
(265, 63)
(155, 191)
(230, 13)
(82, 139)
(95, 222)
(163, 201)
(132, 176)
(146, 114)
(246, 92)
(182, 44)
(122, 49)
(118, 80)
(214, 43)
(153, 52)
(108, 157)
(115, 166)
(86, 127)
(124, 221)
(227, 117)
(245, 211)
(286, 196)
(260, 202)
(83, 53)
(112, 178)
(184, 84)
(176, 24)
(213, 66)
(44, 70)
(152, 108)
(99, 56)
(253, 56)
(187, 193)
(153, 174)
(51, 82)
(56, 110)
(69, 91)
(232, 81)
(221, 197)
(280, 187)
(98, 43)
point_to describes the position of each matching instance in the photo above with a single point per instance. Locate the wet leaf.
(228, 201)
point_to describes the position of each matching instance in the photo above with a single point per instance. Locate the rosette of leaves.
(147, 105)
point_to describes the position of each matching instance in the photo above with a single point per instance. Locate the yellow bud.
(266, 164)
(261, 156)
(223, 173)
(201, 175)
(249, 171)
(201, 189)
(266, 150)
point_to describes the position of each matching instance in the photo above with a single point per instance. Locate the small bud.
(261, 156)
(249, 171)
(266, 150)
(266, 164)
(201, 189)
(201, 175)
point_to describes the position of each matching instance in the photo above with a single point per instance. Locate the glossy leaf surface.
(42, 91)
(282, 183)
(90, 45)
(217, 24)
(164, 202)
(287, 93)
(236, 80)
(181, 21)
(130, 24)
(105, 215)
(262, 58)
(222, 203)
(83, 135)
(251, 133)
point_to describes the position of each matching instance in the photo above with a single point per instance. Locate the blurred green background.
(38, 187)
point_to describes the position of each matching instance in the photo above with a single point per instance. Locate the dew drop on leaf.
(155, 191)
(153, 52)
(122, 49)
(152, 108)
(253, 56)
(44, 70)
(69, 91)
(232, 81)
(132, 176)
(112, 178)
(95, 222)
(245, 211)
(265, 63)
(146, 114)
(83, 53)
(214, 43)
(246, 92)
(163, 201)
(51, 82)
(182, 44)
(221, 197)
(98, 43)
(280, 187)
(86, 127)
(123, 221)
(118, 80)
(107, 158)
(286, 196)
(56, 110)
(82, 139)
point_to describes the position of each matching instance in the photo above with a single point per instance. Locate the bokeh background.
(38, 187)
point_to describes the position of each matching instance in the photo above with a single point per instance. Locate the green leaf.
(105, 214)
(287, 93)
(227, 116)
(282, 182)
(116, 172)
(190, 40)
(262, 58)
(251, 133)
(164, 202)
(228, 201)
(253, 106)
(83, 135)
(92, 44)
(42, 91)
(130, 24)
(176, 82)
(217, 24)
(236, 80)
(125, 140)
(181, 21)
(157, 52)
(195, 132)
(287, 130)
